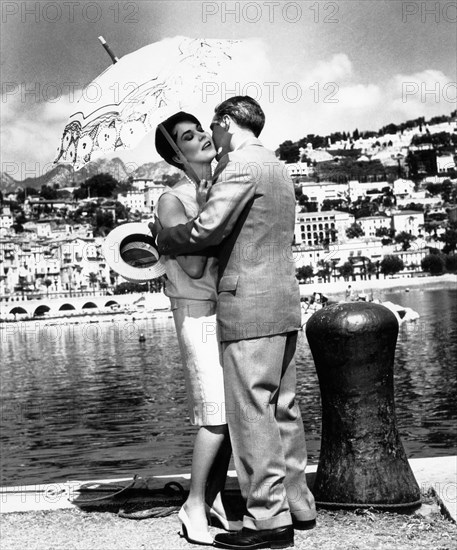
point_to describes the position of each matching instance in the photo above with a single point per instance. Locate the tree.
(449, 237)
(391, 264)
(451, 262)
(49, 193)
(404, 238)
(446, 190)
(433, 264)
(354, 231)
(289, 151)
(128, 288)
(346, 270)
(386, 234)
(47, 283)
(304, 273)
(27, 192)
(325, 271)
(100, 185)
(93, 279)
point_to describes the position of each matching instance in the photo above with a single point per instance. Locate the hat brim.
(137, 239)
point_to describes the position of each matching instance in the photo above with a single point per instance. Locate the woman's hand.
(203, 189)
(155, 228)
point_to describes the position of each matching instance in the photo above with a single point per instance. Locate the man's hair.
(164, 149)
(244, 110)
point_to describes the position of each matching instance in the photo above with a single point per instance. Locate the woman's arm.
(170, 211)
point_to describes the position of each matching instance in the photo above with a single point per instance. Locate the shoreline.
(339, 287)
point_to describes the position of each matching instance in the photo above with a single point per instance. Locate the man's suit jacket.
(250, 216)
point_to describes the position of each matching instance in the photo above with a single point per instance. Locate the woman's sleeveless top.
(179, 285)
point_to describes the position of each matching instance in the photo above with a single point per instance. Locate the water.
(90, 401)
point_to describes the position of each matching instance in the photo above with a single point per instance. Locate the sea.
(91, 401)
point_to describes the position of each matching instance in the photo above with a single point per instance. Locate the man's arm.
(228, 197)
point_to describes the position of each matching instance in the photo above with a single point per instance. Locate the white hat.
(130, 251)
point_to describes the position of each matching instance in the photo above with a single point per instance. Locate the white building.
(6, 220)
(370, 224)
(341, 252)
(152, 194)
(410, 221)
(325, 190)
(133, 200)
(403, 187)
(142, 200)
(312, 228)
(445, 163)
(297, 169)
(359, 190)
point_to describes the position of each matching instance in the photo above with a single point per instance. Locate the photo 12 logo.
(428, 12)
(424, 92)
(72, 12)
(270, 12)
(271, 92)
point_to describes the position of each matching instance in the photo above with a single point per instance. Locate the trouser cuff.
(281, 520)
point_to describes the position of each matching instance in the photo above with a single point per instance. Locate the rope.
(135, 510)
(118, 491)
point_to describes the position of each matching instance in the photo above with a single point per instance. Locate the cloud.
(328, 96)
(338, 101)
(337, 69)
(31, 129)
(34, 115)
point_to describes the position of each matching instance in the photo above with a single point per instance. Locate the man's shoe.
(281, 537)
(303, 525)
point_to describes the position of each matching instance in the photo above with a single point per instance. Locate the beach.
(447, 280)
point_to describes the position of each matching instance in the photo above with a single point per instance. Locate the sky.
(314, 66)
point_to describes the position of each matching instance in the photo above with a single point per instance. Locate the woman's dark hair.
(164, 149)
(244, 110)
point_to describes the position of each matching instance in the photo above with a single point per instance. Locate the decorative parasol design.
(141, 89)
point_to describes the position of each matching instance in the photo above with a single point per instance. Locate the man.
(250, 216)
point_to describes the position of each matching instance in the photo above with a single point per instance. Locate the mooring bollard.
(362, 461)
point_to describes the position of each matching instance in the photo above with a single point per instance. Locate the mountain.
(7, 183)
(64, 176)
(154, 170)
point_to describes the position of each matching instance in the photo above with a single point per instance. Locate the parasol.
(132, 96)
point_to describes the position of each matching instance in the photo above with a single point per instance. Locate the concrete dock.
(436, 474)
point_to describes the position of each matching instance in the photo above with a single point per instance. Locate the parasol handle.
(114, 58)
(182, 158)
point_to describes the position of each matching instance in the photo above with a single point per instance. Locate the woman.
(191, 287)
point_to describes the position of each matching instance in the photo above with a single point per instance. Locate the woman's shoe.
(228, 525)
(190, 534)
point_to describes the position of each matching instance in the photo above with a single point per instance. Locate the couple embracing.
(226, 242)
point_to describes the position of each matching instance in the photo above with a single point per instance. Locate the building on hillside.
(6, 219)
(370, 224)
(299, 169)
(357, 251)
(402, 187)
(324, 190)
(313, 228)
(410, 221)
(419, 197)
(140, 184)
(142, 200)
(444, 163)
(412, 257)
(359, 190)
(152, 195)
(133, 200)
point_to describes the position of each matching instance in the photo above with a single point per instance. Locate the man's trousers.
(266, 430)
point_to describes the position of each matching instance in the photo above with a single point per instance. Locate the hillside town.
(369, 204)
